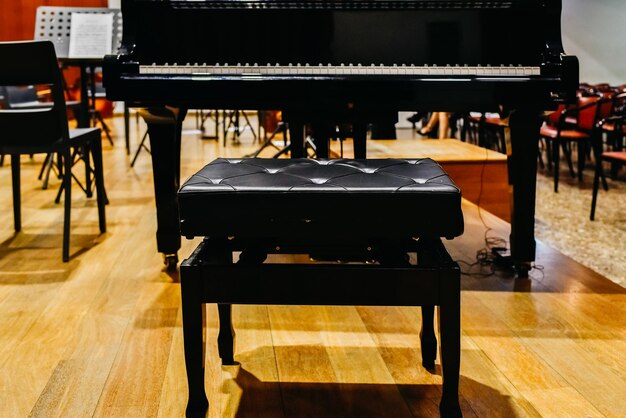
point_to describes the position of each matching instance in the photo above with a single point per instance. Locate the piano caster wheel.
(522, 268)
(170, 261)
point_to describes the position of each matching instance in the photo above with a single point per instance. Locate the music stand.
(233, 121)
(53, 23)
(280, 128)
(211, 114)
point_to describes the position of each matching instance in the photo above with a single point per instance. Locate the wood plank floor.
(101, 335)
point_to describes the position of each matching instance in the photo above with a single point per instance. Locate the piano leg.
(524, 142)
(164, 130)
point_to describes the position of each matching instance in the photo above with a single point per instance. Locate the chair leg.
(582, 158)
(549, 144)
(247, 120)
(67, 185)
(596, 186)
(555, 162)
(72, 159)
(44, 165)
(142, 145)
(46, 169)
(17, 207)
(59, 162)
(127, 128)
(96, 151)
(105, 127)
(87, 160)
(567, 150)
(596, 147)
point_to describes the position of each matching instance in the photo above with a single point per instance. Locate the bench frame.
(210, 276)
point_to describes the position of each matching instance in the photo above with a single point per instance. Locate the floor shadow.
(172, 272)
(253, 397)
(36, 258)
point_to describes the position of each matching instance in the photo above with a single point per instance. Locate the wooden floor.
(101, 335)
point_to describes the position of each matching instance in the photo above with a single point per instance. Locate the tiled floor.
(562, 221)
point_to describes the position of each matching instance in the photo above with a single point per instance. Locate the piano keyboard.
(324, 70)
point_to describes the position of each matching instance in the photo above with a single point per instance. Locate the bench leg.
(450, 325)
(427, 337)
(226, 336)
(194, 345)
(427, 257)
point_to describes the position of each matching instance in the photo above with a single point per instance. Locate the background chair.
(613, 129)
(485, 129)
(614, 157)
(44, 130)
(574, 124)
(614, 126)
(29, 97)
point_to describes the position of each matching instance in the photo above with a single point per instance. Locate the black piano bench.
(376, 212)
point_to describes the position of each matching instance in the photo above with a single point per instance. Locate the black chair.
(44, 130)
(26, 97)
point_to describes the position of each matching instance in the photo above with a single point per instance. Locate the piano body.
(342, 60)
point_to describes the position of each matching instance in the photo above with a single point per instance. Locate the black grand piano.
(342, 60)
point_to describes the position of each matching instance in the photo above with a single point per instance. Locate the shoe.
(414, 118)
(425, 131)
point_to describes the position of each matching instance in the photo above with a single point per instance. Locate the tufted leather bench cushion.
(374, 198)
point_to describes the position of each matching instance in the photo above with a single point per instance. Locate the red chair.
(612, 127)
(614, 157)
(574, 124)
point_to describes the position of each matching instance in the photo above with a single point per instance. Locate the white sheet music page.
(91, 35)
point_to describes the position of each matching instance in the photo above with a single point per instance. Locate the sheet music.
(91, 35)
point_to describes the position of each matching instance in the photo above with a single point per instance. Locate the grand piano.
(354, 61)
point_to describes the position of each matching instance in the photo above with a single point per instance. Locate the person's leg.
(432, 122)
(444, 124)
